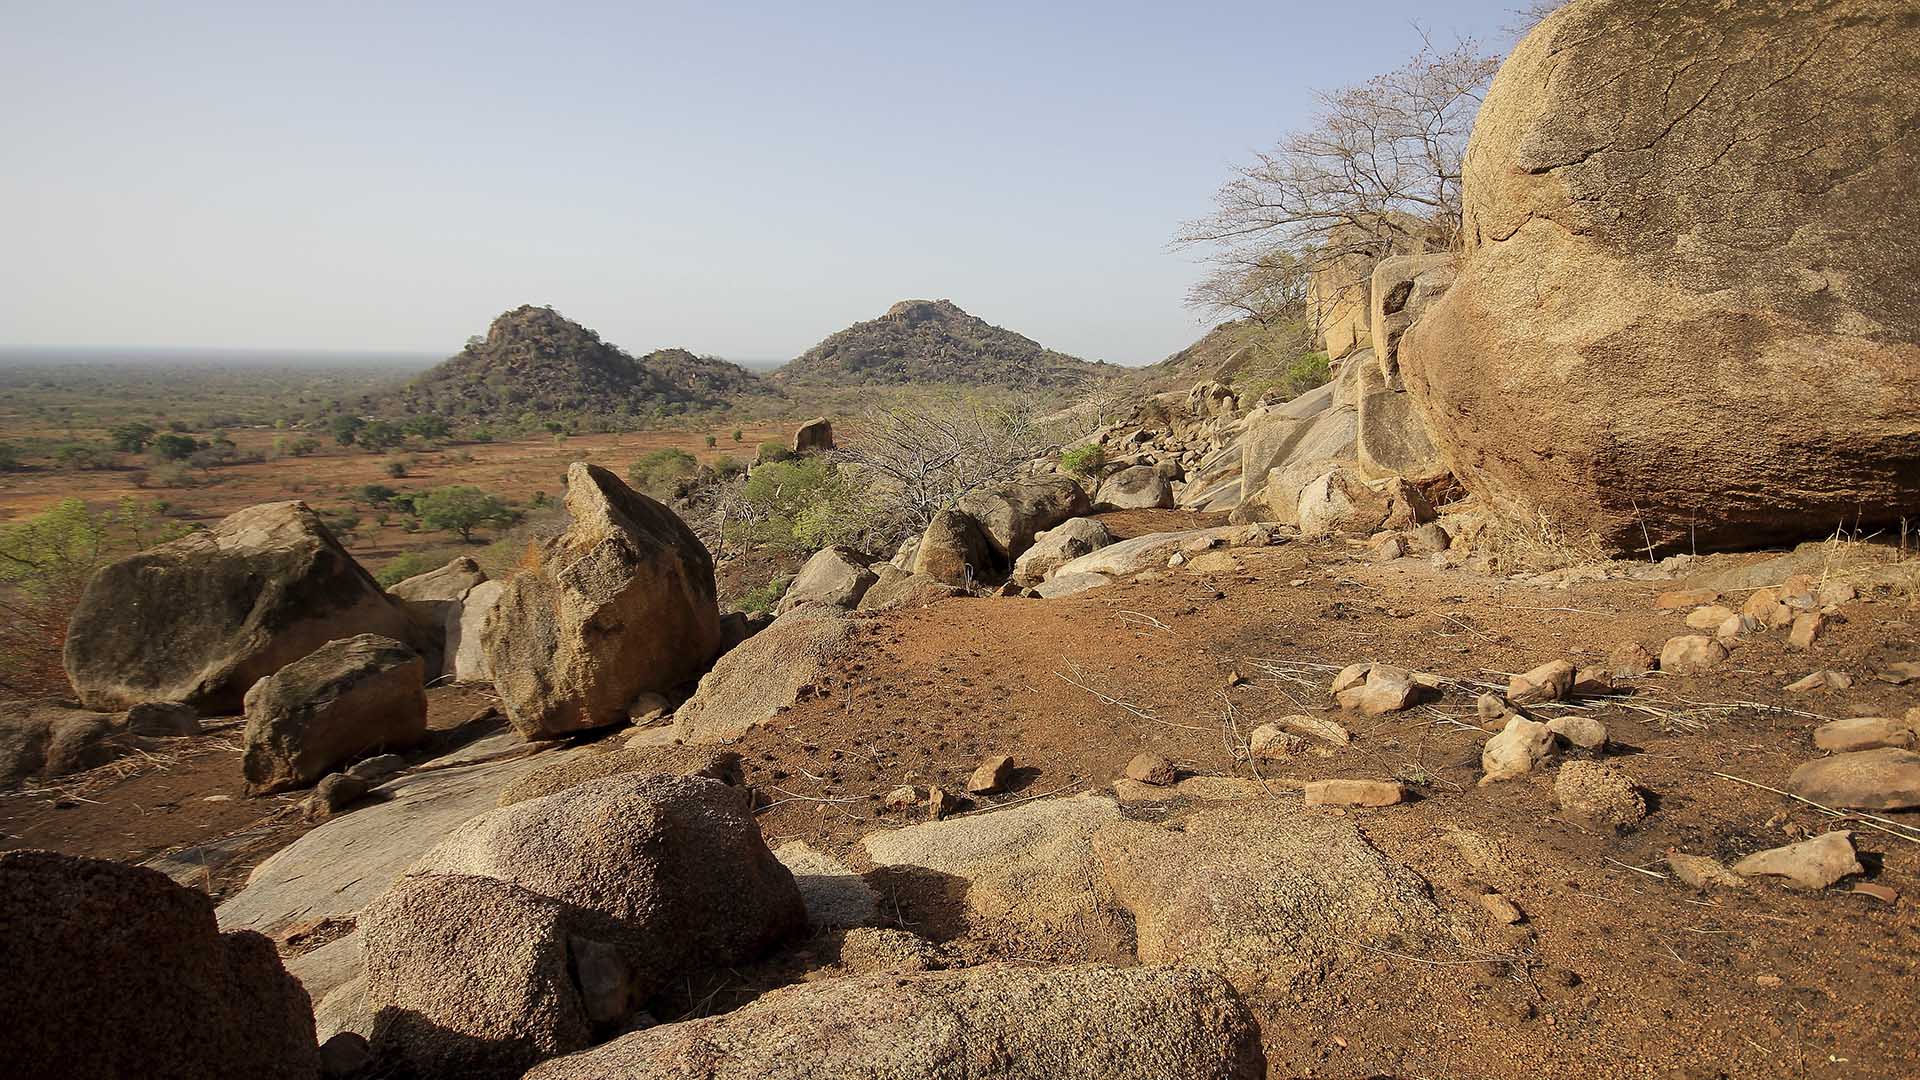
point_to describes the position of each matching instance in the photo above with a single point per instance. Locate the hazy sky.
(741, 179)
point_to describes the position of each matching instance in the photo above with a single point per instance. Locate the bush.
(45, 561)
(346, 429)
(461, 509)
(174, 447)
(77, 456)
(798, 506)
(659, 473)
(9, 457)
(381, 435)
(406, 566)
(738, 435)
(761, 599)
(130, 438)
(775, 451)
(396, 469)
(167, 474)
(303, 446)
(726, 467)
(713, 441)
(1084, 462)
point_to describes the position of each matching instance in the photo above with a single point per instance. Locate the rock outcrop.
(1058, 546)
(1011, 515)
(621, 603)
(813, 436)
(435, 600)
(981, 1023)
(201, 619)
(762, 675)
(672, 869)
(1140, 487)
(955, 551)
(834, 576)
(50, 737)
(115, 971)
(343, 700)
(1687, 302)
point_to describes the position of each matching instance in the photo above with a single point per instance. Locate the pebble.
(993, 774)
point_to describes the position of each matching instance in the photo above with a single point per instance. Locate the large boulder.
(1011, 515)
(834, 576)
(1403, 288)
(1028, 869)
(50, 737)
(1690, 297)
(1138, 488)
(1265, 893)
(762, 675)
(339, 867)
(201, 619)
(434, 600)
(340, 701)
(577, 769)
(895, 588)
(670, 870)
(469, 976)
(955, 551)
(1058, 546)
(993, 1022)
(465, 646)
(1392, 437)
(115, 971)
(621, 604)
(813, 436)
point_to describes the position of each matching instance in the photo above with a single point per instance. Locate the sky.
(737, 179)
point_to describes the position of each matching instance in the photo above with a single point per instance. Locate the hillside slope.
(533, 359)
(935, 342)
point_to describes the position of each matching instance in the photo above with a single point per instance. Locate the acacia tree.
(461, 508)
(1379, 167)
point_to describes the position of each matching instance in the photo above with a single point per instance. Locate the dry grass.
(1526, 539)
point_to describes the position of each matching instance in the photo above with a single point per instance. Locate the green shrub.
(799, 506)
(713, 441)
(174, 447)
(9, 457)
(396, 469)
(405, 566)
(461, 509)
(771, 451)
(659, 472)
(1084, 461)
(761, 599)
(130, 438)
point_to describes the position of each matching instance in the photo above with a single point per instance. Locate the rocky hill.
(533, 359)
(935, 342)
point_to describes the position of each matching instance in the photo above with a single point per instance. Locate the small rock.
(1355, 793)
(1493, 711)
(647, 708)
(1592, 682)
(1690, 654)
(344, 1055)
(1176, 560)
(1765, 607)
(1600, 794)
(163, 718)
(1316, 727)
(1629, 659)
(1883, 779)
(1271, 742)
(1350, 676)
(904, 797)
(1835, 593)
(1549, 682)
(1807, 628)
(1863, 733)
(1769, 982)
(1684, 598)
(1429, 539)
(1709, 617)
(1520, 747)
(334, 793)
(1501, 910)
(377, 768)
(1582, 731)
(1703, 872)
(1388, 546)
(1824, 679)
(1149, 768)
(1900, 674)
(1879, 892)
(1386, 689)
(1810, 864)
(1734, 628)
(993, 774)
(939, 804)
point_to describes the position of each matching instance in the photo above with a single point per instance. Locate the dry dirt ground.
(1617, 970)
(513, 470)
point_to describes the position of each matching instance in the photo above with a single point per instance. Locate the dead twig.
(1871, 821)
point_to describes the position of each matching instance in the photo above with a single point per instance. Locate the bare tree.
(1379, 168)
(921, 459)
(1262, 284)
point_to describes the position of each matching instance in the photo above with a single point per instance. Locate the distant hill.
(934, 342)
(533, 359)
(1257, 361)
